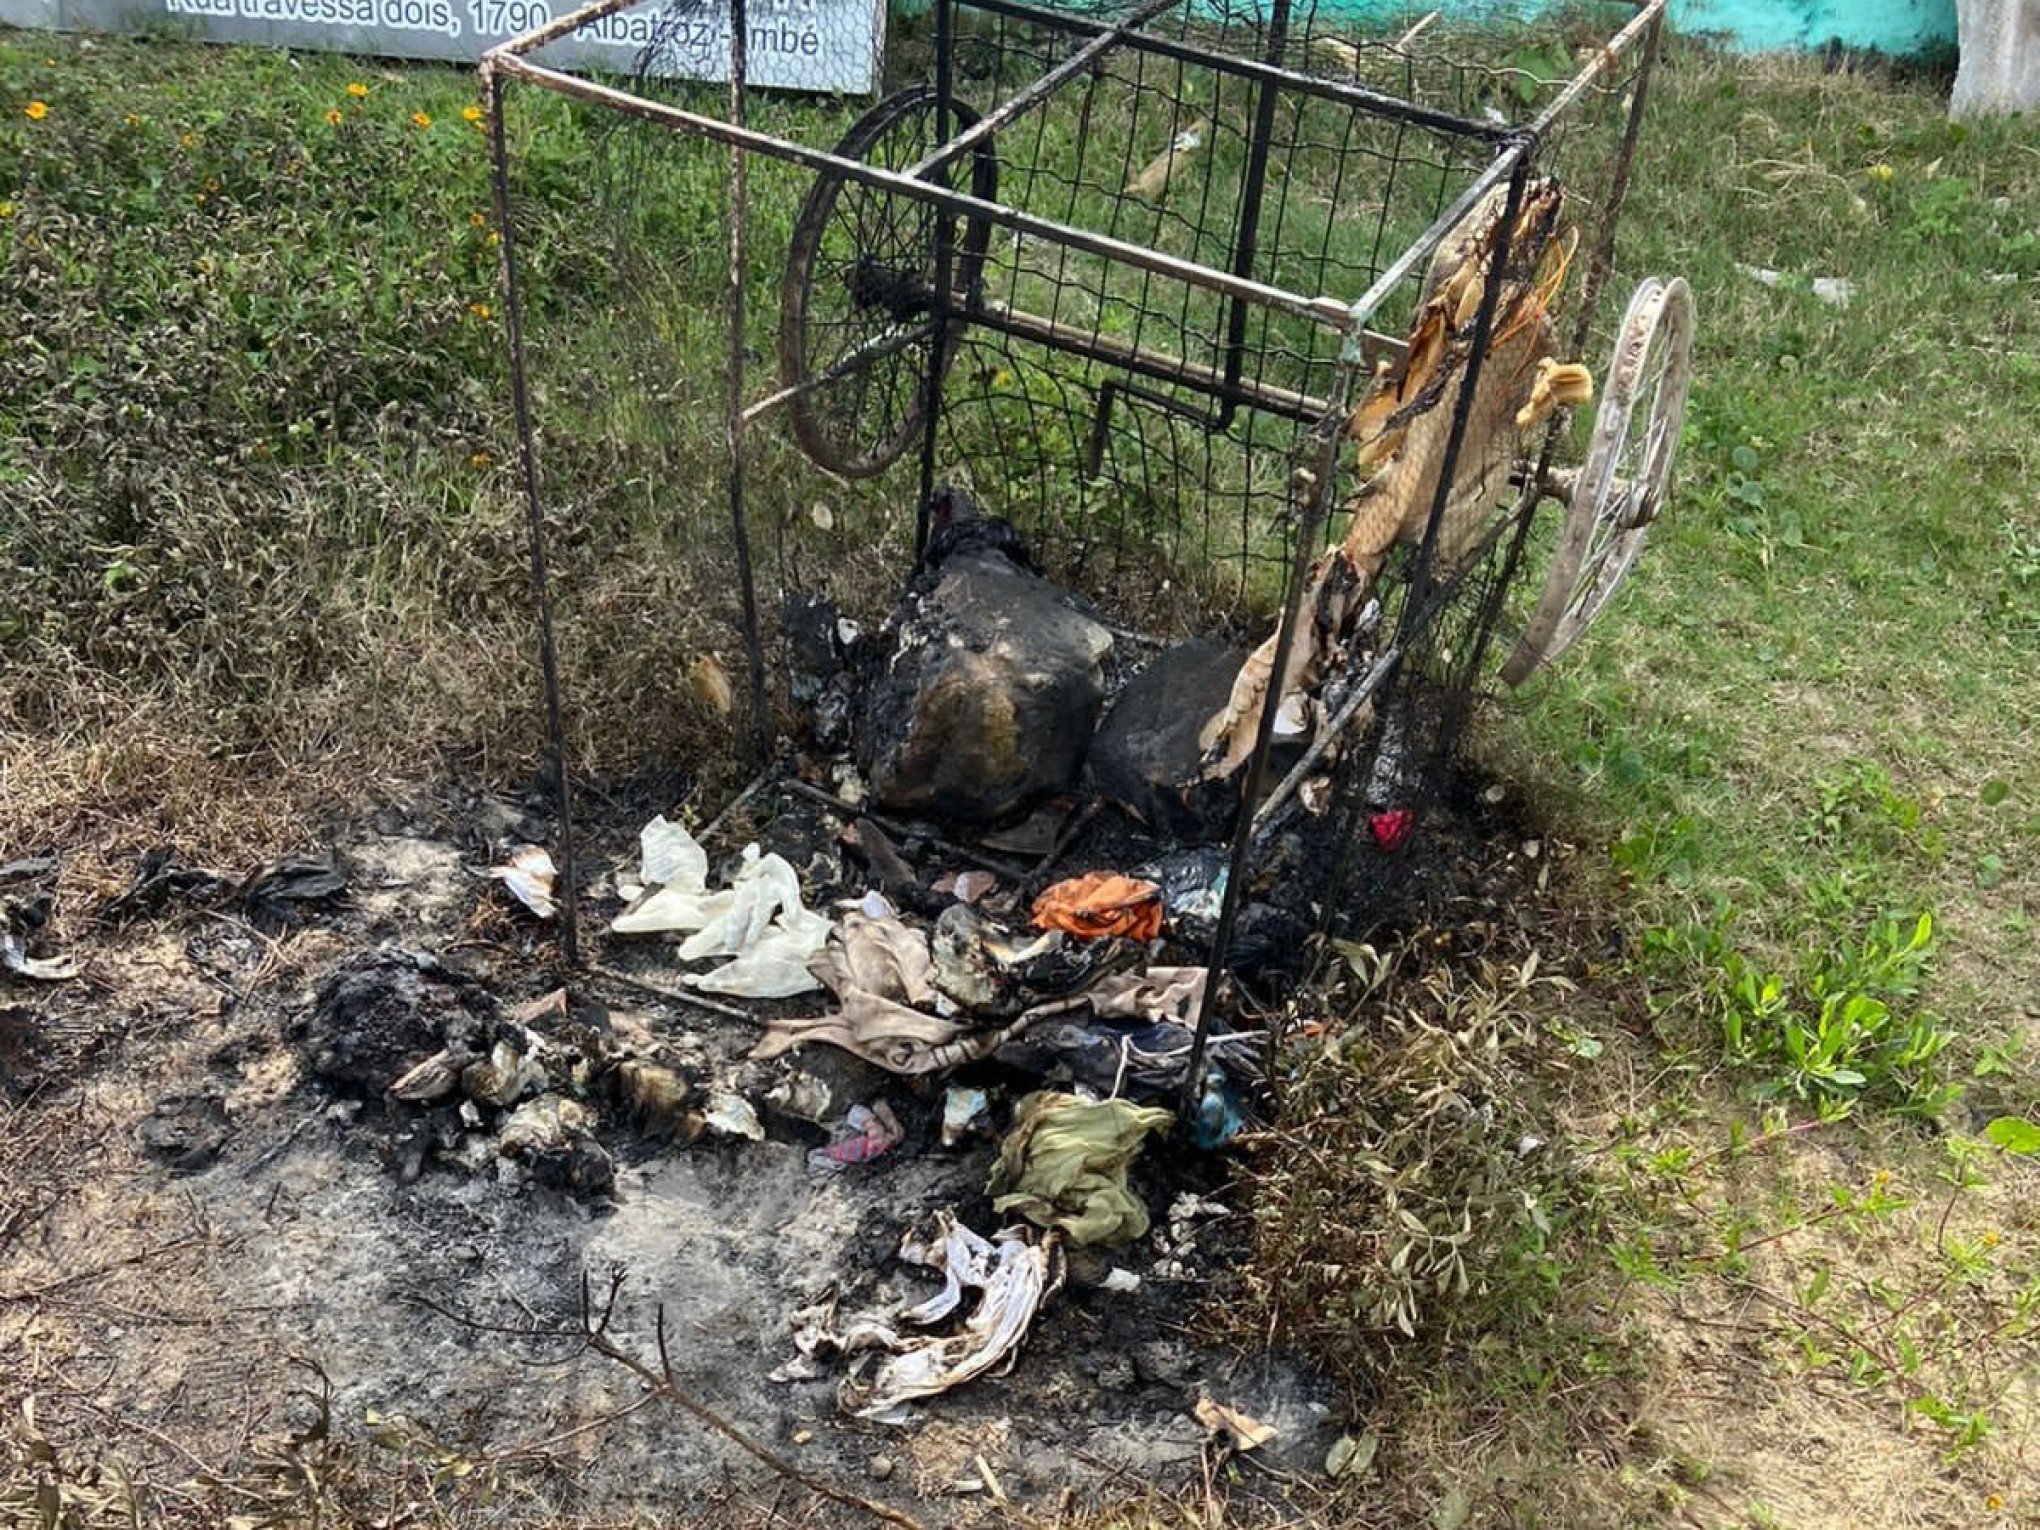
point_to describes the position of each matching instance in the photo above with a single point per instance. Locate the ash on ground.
(394, 1139)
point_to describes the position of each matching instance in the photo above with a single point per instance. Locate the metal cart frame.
(1625, 482)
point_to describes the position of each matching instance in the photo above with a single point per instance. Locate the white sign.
(833, 46)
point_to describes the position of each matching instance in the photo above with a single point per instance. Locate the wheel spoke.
(1622, 486)
(860, 279)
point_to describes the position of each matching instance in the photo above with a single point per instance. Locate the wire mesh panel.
(1163, 418)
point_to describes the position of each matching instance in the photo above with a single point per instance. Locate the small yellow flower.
(1990, 1239)
(1880, 172)
(187, 140)
(494, 237)
(132, 120)
(480, 460)
(471, 114)
(481, 310)
(6, 209)
(1993, 1503)
(419, 119)
(478, 220)
(35, 111)
(357, 90)
(333, 118)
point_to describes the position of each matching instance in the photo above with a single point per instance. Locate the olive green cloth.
(1064, 1165)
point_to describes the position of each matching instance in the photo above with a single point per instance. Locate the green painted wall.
(1892, 26)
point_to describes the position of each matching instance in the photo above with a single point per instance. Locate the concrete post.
(2000, 68)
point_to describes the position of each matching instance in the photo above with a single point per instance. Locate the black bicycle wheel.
(857, 316)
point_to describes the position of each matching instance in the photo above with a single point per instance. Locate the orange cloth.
(1101, 903)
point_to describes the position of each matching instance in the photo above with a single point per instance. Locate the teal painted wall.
(1898, 27)
(1891, 26)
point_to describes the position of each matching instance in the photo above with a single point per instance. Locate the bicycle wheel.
(1623, 485)
(857, 318)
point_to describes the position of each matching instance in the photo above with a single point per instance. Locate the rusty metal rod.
(1601, 260)
(553, 31)
(1383, 666)
(677, 995)
(733, 398)
(1346, 93)
(1332, 313)
(1095, 346)
(735, 805)
(1423, 578)
(864, 356)
(1102, 347)
(1426, 243)
(1311, 516)
(1604, 61)
(534, 514)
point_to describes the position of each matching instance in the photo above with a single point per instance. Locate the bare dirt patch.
(200, 1234)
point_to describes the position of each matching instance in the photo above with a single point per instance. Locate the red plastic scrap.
(1101, 903)
(1391, 828)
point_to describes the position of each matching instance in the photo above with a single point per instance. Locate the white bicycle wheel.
(1624, 483)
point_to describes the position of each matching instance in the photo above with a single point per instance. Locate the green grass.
(1804, 729)
(1813, 704)
(261, 549)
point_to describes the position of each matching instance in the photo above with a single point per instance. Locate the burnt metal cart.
(1184, 289)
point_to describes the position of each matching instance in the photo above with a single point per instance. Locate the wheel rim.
(1626, 479)
(857, 309)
